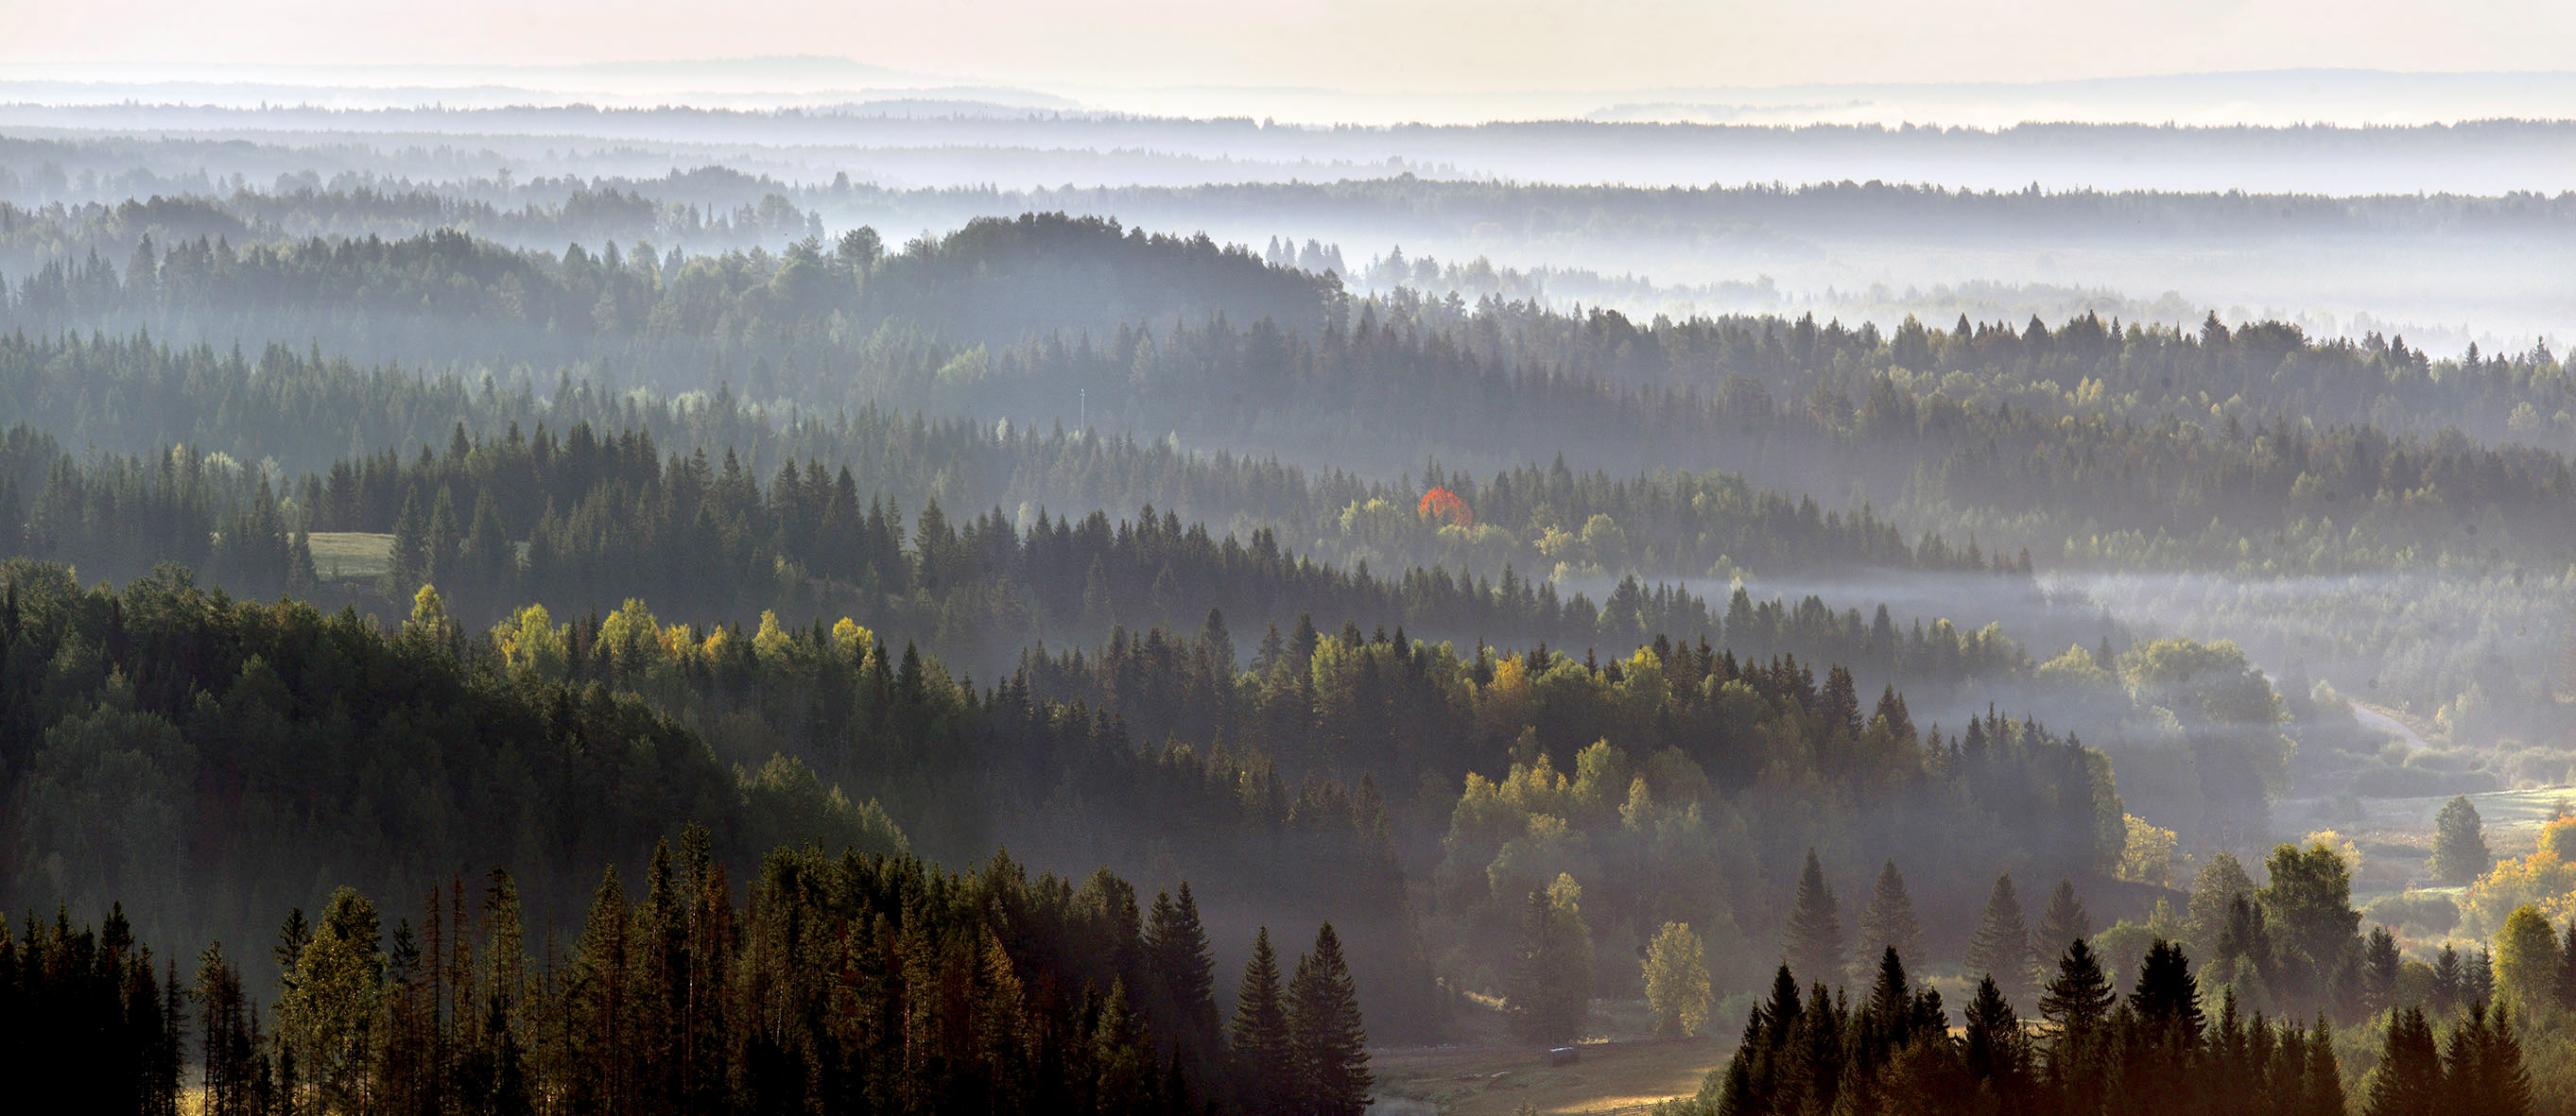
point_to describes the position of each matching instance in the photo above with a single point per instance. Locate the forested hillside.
(593, 639)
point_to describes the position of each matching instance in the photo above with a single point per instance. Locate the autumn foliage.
(1445, 506)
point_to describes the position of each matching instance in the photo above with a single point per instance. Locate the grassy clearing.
(2510, 816)
(351, 555)
(2395, 835)
(1613, 1077)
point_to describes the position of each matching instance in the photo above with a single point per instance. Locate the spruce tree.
(1183, 976)
(407, 564)
(1888, 920)
(1263, 1070)
(2381, 964)
(2450, 979)
(1328, 1045)
(2079, 998)
(444, 539)
(1812, 945)
(1122, 1056)
(2166, 999)
(2506, 1086)
(2001, 948)
(2464, 1075)
(2065, 921)
(1993, 1043)
(2408, 1080)
(2325, 1078)
(1891, 998)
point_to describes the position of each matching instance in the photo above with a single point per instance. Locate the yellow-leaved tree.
(1677, 985)
(2544, 881)
(2527, 961)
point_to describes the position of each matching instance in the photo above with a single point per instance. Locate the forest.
(748, 607)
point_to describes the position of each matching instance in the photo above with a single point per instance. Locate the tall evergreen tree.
(2408, 1080)
(2079, 998)
(2166, 999)
(2505, 1086)
(2325, 1079)
(2001, 947)
(2064, 921)
(1327, 1043)
(407, 564)
(1992, 1040)
(1264, 1066)
(2381, 965)
(1888, 920)
(1183, 976)
(1812, 944)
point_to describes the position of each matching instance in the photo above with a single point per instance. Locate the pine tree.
(2408, 1081)
(1993, 1043)
(489, 558)
(598, 987)
(1002, 1037)
(2166, 999)
(2065, 921)
(330, 1013)
(1888, 920)
(2001, 947)
(2380, 966)
(2506, 1089)
(1183, 976)
(2450, 980)
(1263, 1068)
(444, 538)
(1327, 1043)
(2464, 1077)
(407, 564)
(1812, 944)
(2079, 998)
(2325, 1078)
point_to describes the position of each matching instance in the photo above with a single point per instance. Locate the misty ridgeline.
(591, 614)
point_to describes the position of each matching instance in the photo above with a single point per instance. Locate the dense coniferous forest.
(629, 635)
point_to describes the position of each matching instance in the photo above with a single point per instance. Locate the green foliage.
(1812, 942)
(1888, 921)
(1327, 1042)
(2307, 908)
(842, 977)
(1550, 993)
(2459, 843)
(1676, 980)
(1259, 1042)
(2001, 947)
(2528, 961)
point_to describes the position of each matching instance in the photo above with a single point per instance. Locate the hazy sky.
(1431, 46)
